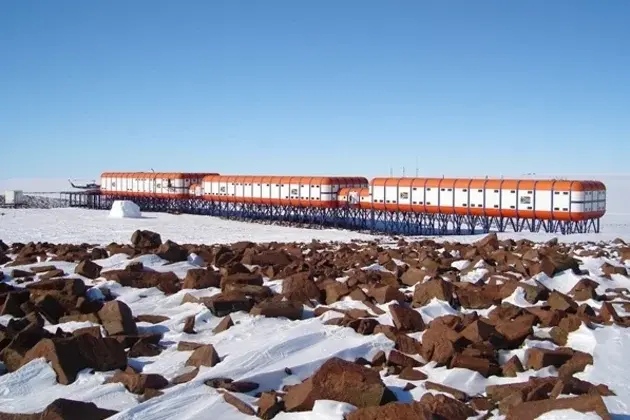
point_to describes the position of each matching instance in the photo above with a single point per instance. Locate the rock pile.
(481, 282)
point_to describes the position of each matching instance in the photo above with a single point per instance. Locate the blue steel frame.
(345, 217)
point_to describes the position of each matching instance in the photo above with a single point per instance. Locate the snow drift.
(125, 209)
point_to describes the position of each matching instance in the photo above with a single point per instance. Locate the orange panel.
(433, 182)
(462, 183)
(526, 184)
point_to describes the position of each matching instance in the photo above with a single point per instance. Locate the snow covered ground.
(259, 349)
(95, 227)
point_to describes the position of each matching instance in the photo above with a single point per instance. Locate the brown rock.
(407, 344)
(62, 408)
(232, 386)
(447, 408)
(577, 363)
(189, 325)
(138, 383)
(89, 269)
(406, 319)
(562, 302)
(224, 325)
(512, 367)
(117, 318)
(42, 269)
(239, 404)
(396, 358)
(225, 303)
(379, 358)
(93, 331)
(413, 276)
(473, 297)
(269, 405)
(609, 270)
(479, 331)
(341, 381)
(559, 336)
(358, 294)
(500, 392)
(490, 241)
(12, 304)
(201, 278)
(434, 288)
(26, 335)
(608, 313)
(185, 377)
(478, 364)
(16, 274)
(188, 346)
(275, 309)
(52, 274)
(70, 355)
(98, 254)
(146, 239)
(204, 355)
(547, 317)
(363, 326)
(584, 404)
(534, 293)
(278, 259)
(515, 332)
(457, 394)
(481, 404)
(172, 252)
(538, 358)
(392, 411)
(300, 287)
(335, 291)
(385, 294)
(50, 308)
(557, 263)
(69, 287)
(584, 290)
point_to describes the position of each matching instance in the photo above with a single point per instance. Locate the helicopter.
(88, 186)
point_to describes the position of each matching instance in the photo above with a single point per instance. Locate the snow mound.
(125, 209)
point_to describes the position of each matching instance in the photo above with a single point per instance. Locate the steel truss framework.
(376, 221)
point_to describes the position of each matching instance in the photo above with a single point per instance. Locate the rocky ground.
(502, 313)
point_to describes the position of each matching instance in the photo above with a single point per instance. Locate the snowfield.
(276, 352)
(67, 225)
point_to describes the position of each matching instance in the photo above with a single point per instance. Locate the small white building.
(14, 198)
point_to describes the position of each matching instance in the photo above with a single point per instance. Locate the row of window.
(268, 185)
(463, 205)
(496, 191)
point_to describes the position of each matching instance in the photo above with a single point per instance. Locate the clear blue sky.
(314, 87)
